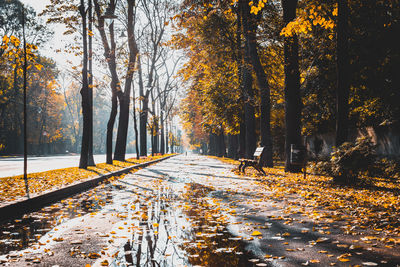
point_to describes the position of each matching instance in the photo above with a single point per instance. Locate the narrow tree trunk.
(166, 135)
(135, 126)
(152, 138)
(343, 81)
(249, 29)
(292, 87)
(90, 62)
(110, 128)
(242, 139)
(83, 162)
(143, 113)
(155, 135)
(162, 143)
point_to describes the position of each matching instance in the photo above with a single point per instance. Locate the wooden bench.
(255, 163)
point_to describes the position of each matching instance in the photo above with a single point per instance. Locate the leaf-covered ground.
(13, 188)
(193, 211)
(367, 216)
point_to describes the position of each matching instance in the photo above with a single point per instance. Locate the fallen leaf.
(256, 233)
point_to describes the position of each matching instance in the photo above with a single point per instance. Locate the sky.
(58, 41)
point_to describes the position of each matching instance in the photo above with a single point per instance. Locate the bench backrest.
(258, 152)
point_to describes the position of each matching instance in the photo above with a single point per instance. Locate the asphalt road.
(15, 165)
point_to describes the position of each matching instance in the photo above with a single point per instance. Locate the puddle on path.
(183, 230)
(18, 234)
(173, 224)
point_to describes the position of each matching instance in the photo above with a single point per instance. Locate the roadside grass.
(372, 209)
(13, 188)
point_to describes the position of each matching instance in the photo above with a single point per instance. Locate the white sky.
(58, 41)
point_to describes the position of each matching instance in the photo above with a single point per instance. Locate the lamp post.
(25, 113)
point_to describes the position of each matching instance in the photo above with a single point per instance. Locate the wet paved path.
(184, 211)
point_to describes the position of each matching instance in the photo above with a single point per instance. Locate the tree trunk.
(152, 138)
(109, 53)
(211, 145)
(110, 128)
(90, 62)
(239, 58)
(221, 148)
(162, 143)
(249, 29)
(135, 126)
(166, 136)
(143, 113)
(156, 141)
(233, 146)
(83, 162)
(123, 123)
(249, 114)
(292, 87)
(343, 81)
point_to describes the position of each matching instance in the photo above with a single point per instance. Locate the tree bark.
(83, 162)
(221, 147)
(292, 87)
(90, 62)
(162, 141)
(110, 128)
(250, 28)
(342, 66)
(143, 113)
(109, 53)
(166, 135)
(233, 146)
(135, 125)
(239, 58)
(249, 113)
(123, 123)
(211, 145)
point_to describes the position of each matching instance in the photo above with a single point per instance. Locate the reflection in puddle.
(183, 230)
(173, 224)
(25, 231)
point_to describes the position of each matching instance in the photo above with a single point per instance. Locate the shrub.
(388, 168)
(349, 161)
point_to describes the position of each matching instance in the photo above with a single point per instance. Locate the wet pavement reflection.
(181, 228)
(20, 233)
(164, 222)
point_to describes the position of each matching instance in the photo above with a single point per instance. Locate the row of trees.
(139, 60)
(275, 71)
(44, 103)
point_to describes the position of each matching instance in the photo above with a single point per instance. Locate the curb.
(29, 205)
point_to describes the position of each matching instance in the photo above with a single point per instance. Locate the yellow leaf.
(256, 233)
